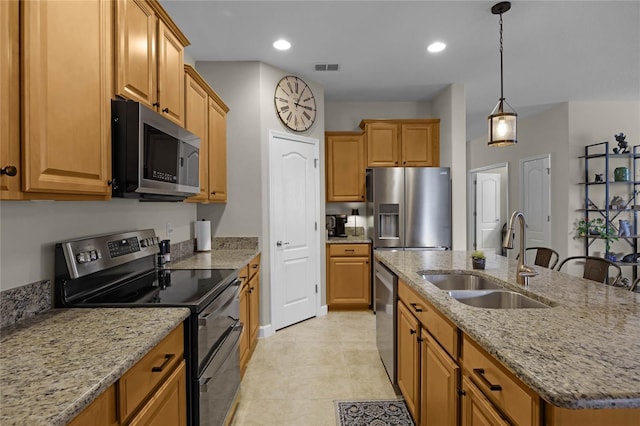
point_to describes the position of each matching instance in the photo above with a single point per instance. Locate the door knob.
(280, 243)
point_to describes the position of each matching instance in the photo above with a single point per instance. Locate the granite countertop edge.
(460, 315)
(217, 259)
(42, 408)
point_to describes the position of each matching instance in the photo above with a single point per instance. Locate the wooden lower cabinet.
(348, 276)
(168, 407)
(439, 385)
(101, 412)
(409, 359)
(477, 410)
(249, 310)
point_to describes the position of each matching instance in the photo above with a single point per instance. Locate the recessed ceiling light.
(282, 44)
(436, 47)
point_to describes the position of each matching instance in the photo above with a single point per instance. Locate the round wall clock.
(295, 103)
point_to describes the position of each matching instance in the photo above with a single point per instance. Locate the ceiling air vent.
(326, 67)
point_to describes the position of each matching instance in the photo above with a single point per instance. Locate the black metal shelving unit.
(631, 207)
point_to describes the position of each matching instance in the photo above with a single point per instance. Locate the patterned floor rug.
(373, 413)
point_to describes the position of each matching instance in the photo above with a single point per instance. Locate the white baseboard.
(266, 331)
(324, 310)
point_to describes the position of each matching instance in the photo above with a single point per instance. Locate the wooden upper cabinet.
(217, 150)
(197, 122)
(383, 145)
(402, 142)
(345, 166)
(10, 100)
(67, 87)
(170, 74)
(420, 144)
(150, 57)
(136, 32)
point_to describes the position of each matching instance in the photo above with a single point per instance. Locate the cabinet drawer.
(139, 382)
(348, 249)
(254, 266)
(443, 330)
(510, 395)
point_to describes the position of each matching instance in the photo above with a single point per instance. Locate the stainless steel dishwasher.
(386, 294)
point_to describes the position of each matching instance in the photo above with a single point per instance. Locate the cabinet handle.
(362, 196)
(412, 331)
(165, 109)
(461, 392)
(213, 193)
(255, 266)
(156, 104)
(404, 162)
(349, 250)
(480, 373)
(167, 360)
(415, 307)
(9, 171)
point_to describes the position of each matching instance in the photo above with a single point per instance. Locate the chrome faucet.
(524, 271)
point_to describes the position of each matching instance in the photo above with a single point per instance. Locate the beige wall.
(563, 131)
(346, 116)
(248, 89)
(30, 229)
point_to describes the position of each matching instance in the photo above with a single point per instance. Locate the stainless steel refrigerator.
(407, 209)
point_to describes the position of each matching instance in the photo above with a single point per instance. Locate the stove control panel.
(88, 255)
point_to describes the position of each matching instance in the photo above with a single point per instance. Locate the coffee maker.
(336, 225)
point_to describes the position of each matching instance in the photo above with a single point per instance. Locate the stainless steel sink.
(495, 299)
(459, 282)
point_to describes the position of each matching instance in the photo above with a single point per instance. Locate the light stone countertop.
(53, 365)
(580, 353)
(350, 239)
(217, 259)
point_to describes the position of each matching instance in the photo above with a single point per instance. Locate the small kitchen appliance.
(118, 270)
(336, 225)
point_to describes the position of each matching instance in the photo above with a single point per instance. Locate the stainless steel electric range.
(119, 270)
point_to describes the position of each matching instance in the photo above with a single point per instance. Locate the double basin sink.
(480, 292)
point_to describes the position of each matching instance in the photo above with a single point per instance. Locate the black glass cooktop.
(193, 288)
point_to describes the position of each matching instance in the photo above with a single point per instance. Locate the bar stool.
(545, 256)
(595, 268)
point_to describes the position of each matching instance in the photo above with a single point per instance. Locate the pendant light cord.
(501, 79)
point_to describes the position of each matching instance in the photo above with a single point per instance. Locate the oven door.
(219, 384)
(216, 320)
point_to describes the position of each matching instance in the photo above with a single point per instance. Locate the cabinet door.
(67, 83)
(101, 412)
(439, 385)
(383, 145)
(345, 167)
(170, 75)
(196, 118)
(349, 282)
(136, 62)
(10, 99)
(420, 145)
(477, 410)
(168, 406)
(245, 335)
(254, 295)
(409, 359)
(217, 152)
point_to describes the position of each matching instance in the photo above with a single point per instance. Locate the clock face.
(295, 103)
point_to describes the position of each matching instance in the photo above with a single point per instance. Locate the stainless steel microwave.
(152, 157)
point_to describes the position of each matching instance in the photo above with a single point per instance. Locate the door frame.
(315, 246)
(471, 198)
(521, 190)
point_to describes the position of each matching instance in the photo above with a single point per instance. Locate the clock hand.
(297, 104)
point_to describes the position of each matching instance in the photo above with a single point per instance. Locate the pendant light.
(503, 118)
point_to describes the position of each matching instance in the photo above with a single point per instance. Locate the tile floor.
(294, 376)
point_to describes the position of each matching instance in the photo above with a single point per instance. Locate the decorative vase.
(621, 174)
(624, 229)
(610, 256)
(478, 263)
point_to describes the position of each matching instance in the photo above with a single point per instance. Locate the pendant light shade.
(503, 118)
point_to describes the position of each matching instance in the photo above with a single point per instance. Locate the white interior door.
(535, 200)
(488, 211)
(294, 211)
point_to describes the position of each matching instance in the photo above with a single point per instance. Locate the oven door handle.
(215, 305)
(237, 329)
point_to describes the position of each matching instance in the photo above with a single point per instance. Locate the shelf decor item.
(621, 174)
(478, 259)
(623, 146)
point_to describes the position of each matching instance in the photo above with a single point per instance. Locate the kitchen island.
(580, 353)
(53, 365)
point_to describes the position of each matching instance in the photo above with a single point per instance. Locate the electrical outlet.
(169, 228)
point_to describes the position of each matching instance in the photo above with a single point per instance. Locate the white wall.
(30, 229)
(248, 88)
(346, 116)
(449, 106)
